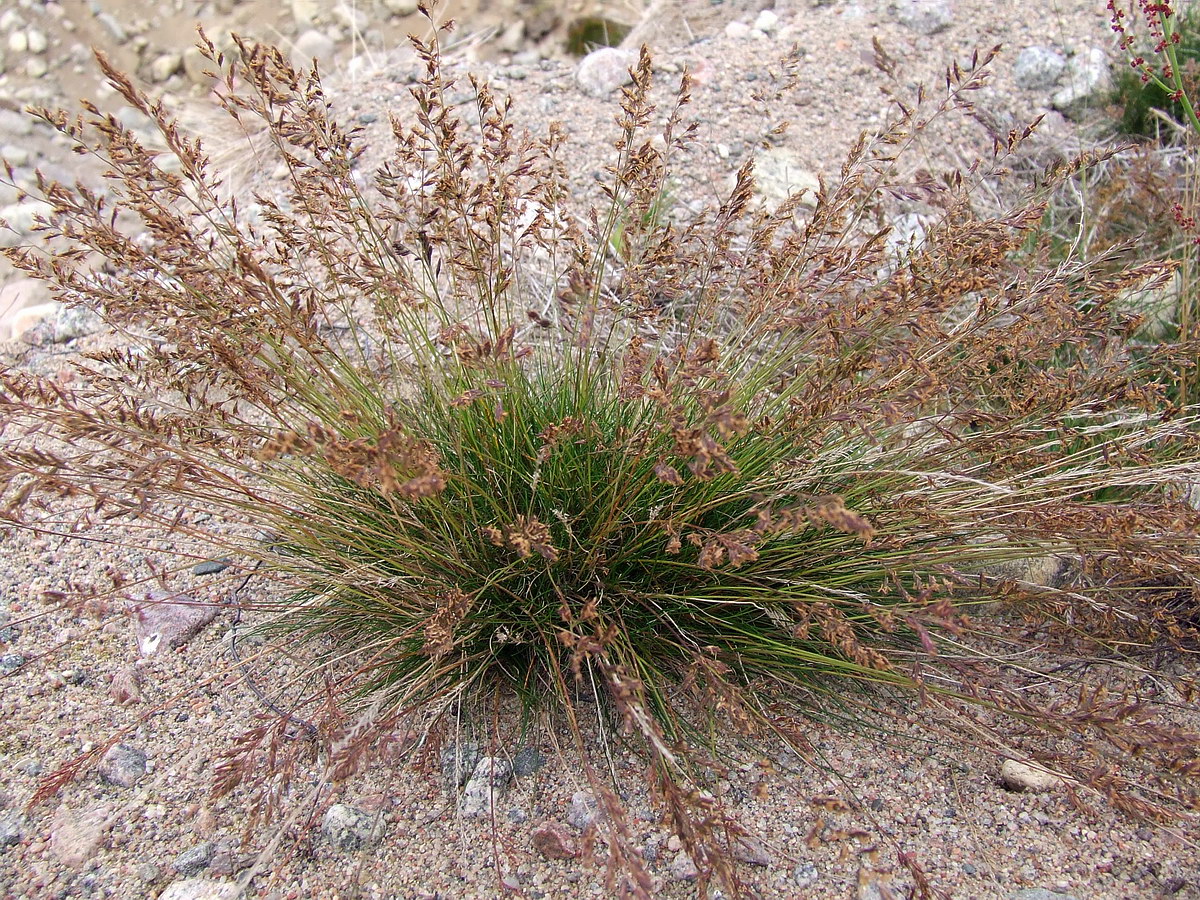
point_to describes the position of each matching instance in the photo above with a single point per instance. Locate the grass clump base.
(724, 474)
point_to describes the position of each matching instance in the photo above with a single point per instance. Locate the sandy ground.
(829, 827)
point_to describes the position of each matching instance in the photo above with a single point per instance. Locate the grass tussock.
(725, 474)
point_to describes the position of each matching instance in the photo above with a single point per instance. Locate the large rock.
(1086, 79)
(1019, 776)
(75, 835)
(123, 766)
(12, 826)
(778, 175)
(603, 71)
(401, 7)
(347, 828)
(925, 16)
(312, 44)
(584, 809)
(485, 786)
(201, 889)
(21, 220)
(1038, 67)
(169, 620)
(24, 302)
(553, 841)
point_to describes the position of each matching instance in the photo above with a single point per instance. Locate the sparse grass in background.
(736, 475)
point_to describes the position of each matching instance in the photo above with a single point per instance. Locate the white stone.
(21, 320)
(604, 70)
(18, 42)
(1019, 776)
(36, 40)
(165, 66)
(201, 889)
(1085, 79)
(512, 38)
(401, 7)
(304, 12)
(737, 30)
(36, 67)
(311, 44)
(766, 21)
(196, 66)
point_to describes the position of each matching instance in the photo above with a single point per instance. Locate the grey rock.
(8, 633)
(194, 860)
(604, 70)
(21, 220)
(752, 851)
(352, 17)
(806, 875)
(123, 766)
(1157, 306)
(1039, 894)
(227, 860)
(907, 234)
(459, 761)
(311, 44)
(10, 662)
(12, 825)
(75, 835)
(31, 766)
(1086, 78)
(15, 155)
(778, 174)
(925, 16)
(527, 761)
(201, 889)
(347, 828)
(71, 322)
(485, 786)
(584, 810)
(211, 566)
(15, 124)
(169, 620)
(682, 867)
(1038, 67)
(112, 26)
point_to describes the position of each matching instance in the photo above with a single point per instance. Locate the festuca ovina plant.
(724, 474)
